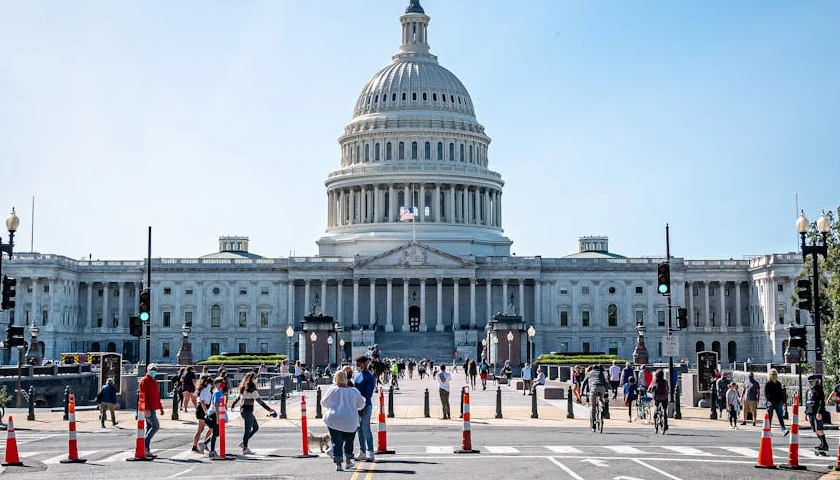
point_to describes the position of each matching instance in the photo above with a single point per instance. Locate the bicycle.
(659, 419)
(598, 415)
(643, 408)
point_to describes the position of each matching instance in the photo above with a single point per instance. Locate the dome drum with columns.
(414, 141)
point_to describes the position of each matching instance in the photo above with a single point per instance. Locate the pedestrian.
(660, 394)
(188, 387)
(177, 383)
(395, 373)
(508, 371)
(473, 368)
(752, 392)
(733, 405)
(298, 373)
(722, 387)
(615, 378)
(249, 395)
(526, 378)
(645, 377)
(627, 373)
(577, 381)
(212, 417)
(482, 372)
(365, 383)
(540, 380)
(108, 402)
(204, 401)
(775, 397)
(631, 393)
(834, 396)
(263, 372)
(443, 389)
(151, 398)
(814, 408)
(343, 405)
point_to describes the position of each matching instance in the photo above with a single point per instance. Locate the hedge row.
(243, 360)
(577, 359)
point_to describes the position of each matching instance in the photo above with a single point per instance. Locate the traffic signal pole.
(149, 286)
(677, 414)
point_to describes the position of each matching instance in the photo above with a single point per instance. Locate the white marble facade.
(414, 140)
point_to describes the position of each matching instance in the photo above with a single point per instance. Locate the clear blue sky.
(607, 118)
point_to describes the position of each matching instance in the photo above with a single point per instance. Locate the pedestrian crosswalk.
(106, 456)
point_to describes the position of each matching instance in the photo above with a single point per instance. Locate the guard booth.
(319, 342)
(504, 335)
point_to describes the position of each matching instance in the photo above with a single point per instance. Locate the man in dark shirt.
(814, 408)
(366, 384)
(775, 396)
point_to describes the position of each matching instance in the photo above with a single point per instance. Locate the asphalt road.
(426, 452)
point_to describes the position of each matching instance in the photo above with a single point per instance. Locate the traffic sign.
(671, 346)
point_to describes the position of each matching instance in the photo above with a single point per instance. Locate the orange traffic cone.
(466, 436)
(793, 448)
(304, 431)
(765, 446)
(140, 437)
(12, 458)
(73, 451)
(382, 433)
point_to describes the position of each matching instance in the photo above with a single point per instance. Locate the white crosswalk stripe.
(685, 450)
(747, 452)
(563, 449)
(626, 450)
(59, 458)
(444, 449)
(496, 449)
(117, 457)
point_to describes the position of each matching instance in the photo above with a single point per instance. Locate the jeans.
(365, 435)
(152, 426)
(342, 443)
(251, 426)
(776, 407)
(444, 402)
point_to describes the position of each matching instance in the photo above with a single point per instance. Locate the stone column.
(505, 301)
(391, 202)
(105, 313)
(405, 305)
(439, 323)
(372, 318)
(323, 301)
(389, 297)
(489, 292)
(691, 318)
(89, 301)
(290, 309)
(472, 302)
(436, 203)
(422, 216)
(307, 301)
(706, 303)
(352, 211)
(500, 209)
(407, 196)
(450, 217)
(537, 301)
(376, 210)
(120, 318)
(339, 301)
(422, 304)
(723, 303)
(737, 303)
(456, 314)
(356, 301)
(340, 219)
(520, 303)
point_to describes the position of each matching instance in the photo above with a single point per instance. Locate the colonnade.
(703, 313)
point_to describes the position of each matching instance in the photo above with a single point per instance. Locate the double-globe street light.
(532, 332)
(290, 332)
(329, 348)
(314, 338)
(510, 342)
(823, 227)
(12, 224)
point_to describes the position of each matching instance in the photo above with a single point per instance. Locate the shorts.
(815, 424)
(484, 375)
(199, 413)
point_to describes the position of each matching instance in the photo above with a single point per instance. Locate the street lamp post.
(495, 346)
(532, 332)
(329, 345)
(815, 250)
(12, 224)
(290, 332)
(313, 337)
(510, 341)
(341, 343)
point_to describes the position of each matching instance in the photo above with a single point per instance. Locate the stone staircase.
(435, 345)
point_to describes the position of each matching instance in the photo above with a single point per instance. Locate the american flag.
(407, 214)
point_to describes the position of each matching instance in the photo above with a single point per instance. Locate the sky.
(204, 119)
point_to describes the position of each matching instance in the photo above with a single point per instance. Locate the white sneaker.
(213, 454)
(241, 444)
(369, 457)
(349, 465)
(360, 456)
(247, 451)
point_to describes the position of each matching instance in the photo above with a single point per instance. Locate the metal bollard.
(570, 409)
(174, 404)
(66, 402)
(606, 412)
(391, 401)
(498, 402)
(426, 413)
(318, 413)
(713, 401)
(463, 392)
(677, 413)
(283, 402)
(534, 413)
(31, 415)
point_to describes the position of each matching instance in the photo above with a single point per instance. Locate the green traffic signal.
(144, 317)
(663, 278)
(663, 289)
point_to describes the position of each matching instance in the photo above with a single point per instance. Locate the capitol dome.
(414, 144)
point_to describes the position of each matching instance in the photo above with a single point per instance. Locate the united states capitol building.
(445, 281)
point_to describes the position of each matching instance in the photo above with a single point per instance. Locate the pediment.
(414, 255)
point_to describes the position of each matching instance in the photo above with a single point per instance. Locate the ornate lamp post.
(510, 341)
(495, 346)
(290, 332)
(341, 343)
(329, 346)
(12, 224)
(185, 353)
(532, 332)
(32, 356)
(815, 250)
(314, 338)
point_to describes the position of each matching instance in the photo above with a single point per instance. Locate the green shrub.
(242, 359)
(548, 359)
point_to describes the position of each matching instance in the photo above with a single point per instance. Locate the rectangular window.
(585, 347)
(215, 316)
(729, 319)
(711, 292)
(99, 322)
(167, 319)
(188, 318)
(45, 317)
(660, 318)
(263, 347)
(780, 287)
(564, 318)
(188, 291)
(726, 292)
(564, 291)
(165, 350)
(613, 350)
(243, 291)
(640, 317)
(697, 292)
(263, 319)
(584, 290)
(243, 319)
(584, 318)
(167, 291)
(116, 294)
(264, 291)
(640, 290)
(46, 289)
(214, 348)
(99, 292)
(697, 318)
(242, 348)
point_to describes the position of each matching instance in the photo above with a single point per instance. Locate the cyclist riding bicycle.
(660, 394)
(598, 385)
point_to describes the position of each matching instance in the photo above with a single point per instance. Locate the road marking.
(369, 475)
(657, 470)
(595, 461)
(685, 450)
(117, 457)
(28, 454)
(183, 455)
(59, 458)
(432, 449)
(181, 473)
(565, 468)
(563, 449)
(501, 449)
(625, 450)
(747, 452)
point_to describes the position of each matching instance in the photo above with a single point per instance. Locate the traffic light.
(798, 337)
(663, 278)
(145, 305)
(803, 293)
(9, 292)
(682, 318)
(14, 336)
(135, 327)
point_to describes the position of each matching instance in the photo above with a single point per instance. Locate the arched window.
(434, 97)
(94, 347)
(393, 97)
(732, 351)
(358, 154)
(452, 98)
(112, 347)
(367, 152)
(424, 96)
(471, 154)
(388, 151)
(440, 150)
(402, 151)
(452, 151)
(375, 152)
(376, 99)
(612, 315)
(444, 97)
(428, 151)
(716, 347)
(462, 152)
(403, 96)
(414, 150)
(384, 97)
(215, 316)
(699, 347)
(414, 95)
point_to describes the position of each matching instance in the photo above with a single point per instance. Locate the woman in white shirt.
(204, 398)
(342, 405)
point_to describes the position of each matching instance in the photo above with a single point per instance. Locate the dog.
(322, 440)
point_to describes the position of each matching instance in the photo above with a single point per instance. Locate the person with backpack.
(482, 373)
(752, 392)
(661, 390)
(107, 400)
